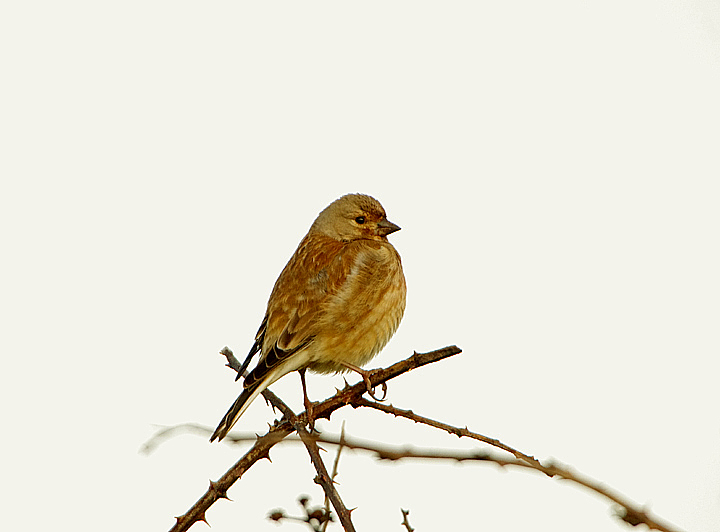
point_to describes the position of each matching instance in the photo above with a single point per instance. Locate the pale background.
(554, 167)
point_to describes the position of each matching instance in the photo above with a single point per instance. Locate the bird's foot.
(365, 374)
(371, 390)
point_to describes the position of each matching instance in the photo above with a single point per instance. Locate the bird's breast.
(363, 315)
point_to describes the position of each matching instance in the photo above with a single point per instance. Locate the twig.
(382, 452)
(165, 433)
(334, 474)
(323, 478)
(457, 431)
(261, 449)
(405, 521)
(314, 517)
(218, 490)
(232, 362)
(350, 394)
(630, 513)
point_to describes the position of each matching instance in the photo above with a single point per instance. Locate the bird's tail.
(268, 371)
(247, 396)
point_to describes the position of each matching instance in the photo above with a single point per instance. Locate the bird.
(335, 305)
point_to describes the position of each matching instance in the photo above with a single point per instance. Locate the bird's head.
(354, 217)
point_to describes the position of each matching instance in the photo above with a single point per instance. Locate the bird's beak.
(385, 227)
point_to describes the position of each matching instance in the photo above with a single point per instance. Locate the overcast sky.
(555, 169)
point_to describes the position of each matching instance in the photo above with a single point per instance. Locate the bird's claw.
(371, 389)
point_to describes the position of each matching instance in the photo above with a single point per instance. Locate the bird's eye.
(360, 219)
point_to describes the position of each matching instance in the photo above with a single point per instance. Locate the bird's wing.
(316, 271)
(256, 347)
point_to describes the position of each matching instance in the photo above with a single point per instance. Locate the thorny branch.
(382, 452)
(629, 512)
(334, 474)
(283, 428)
(405, 521)
(459, 432)
(322, 478)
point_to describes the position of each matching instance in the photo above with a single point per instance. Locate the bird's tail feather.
(247, 396)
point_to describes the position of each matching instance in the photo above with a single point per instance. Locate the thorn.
(202, 518)
(631, 516)
(221, 493)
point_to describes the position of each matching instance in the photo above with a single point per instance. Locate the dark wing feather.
(296, 303)
(270, 361)
(232, 414)
(256, 347)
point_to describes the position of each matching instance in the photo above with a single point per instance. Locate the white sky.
(554, 166)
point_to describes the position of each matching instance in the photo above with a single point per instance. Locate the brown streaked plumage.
(336, 303)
